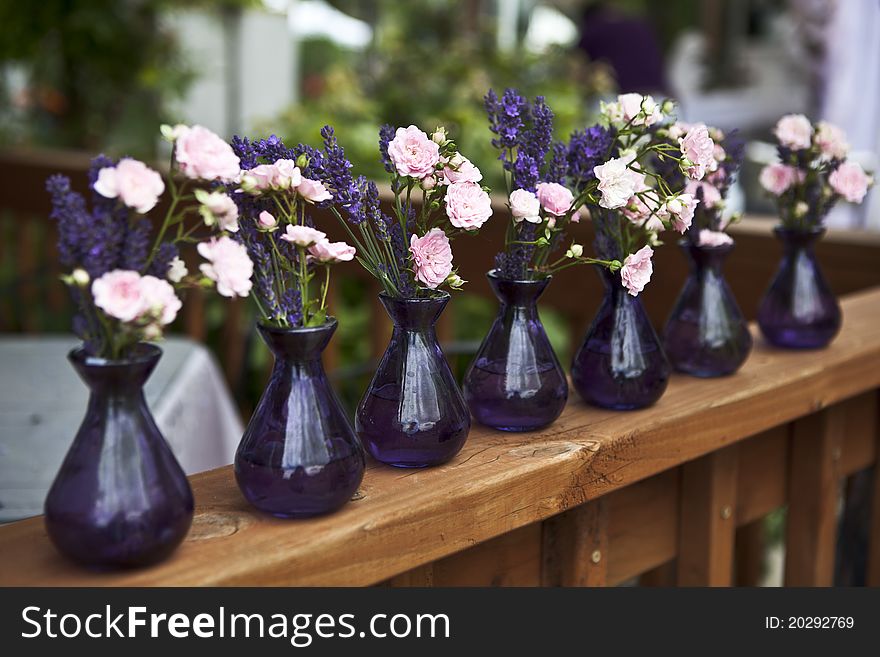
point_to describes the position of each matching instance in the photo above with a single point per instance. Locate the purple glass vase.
(515, 382)
(706, 334)
(299, 456)
(120, 498)
(799, 310)
(620, 364)
(413, 415)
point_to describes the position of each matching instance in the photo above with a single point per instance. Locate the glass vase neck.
(706, 257)
(124, 375)
(299, 344)
(517, 292)
(414, 314)
(798, 239)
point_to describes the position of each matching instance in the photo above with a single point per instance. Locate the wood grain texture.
(814, 488)
(707, 525)
(499, 483)
(575, 546)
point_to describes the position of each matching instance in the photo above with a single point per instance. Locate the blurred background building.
(100, 75)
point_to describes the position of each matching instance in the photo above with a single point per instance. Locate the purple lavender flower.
(587, 149)
(557, 170)
(386, 134)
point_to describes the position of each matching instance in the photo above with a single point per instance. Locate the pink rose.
(303, 235)
(681, 211)
(831, 141)
(413, 153)
(698, 148)
(555, 198)
(637, 269)
(711, 195)
(118, 293)
(133, 182)
(654, 224)
(228, 265)
(328, 252)
(313, 191)
(850, 181)
(525, 205)
(641, 205)
(617, 182)
(203, 155)
(714, 238)
(285, 175)
(794, 131)
(159, 300)
(634, 105)
(259, 179)
(777, 178)
(218, 209)
(432, 257)
(461, 169)
(467, 205)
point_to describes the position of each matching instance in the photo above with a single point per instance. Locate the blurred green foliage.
(431, 67)
(99, 72)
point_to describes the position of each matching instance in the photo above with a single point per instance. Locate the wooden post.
(749, 555)
(814, 482)
(707, 522)
(575, 546)
(873, 574)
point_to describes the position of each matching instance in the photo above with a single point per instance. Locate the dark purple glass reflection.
(799, 310)
(706, 334)
(120, 498)
(299, 456)
(413, 415)
(620, 364)
(515, 382)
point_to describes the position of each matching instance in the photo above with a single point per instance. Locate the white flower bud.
(801, 209)
(79, 277)
(574, 251)
(439, 136)
(428, 183)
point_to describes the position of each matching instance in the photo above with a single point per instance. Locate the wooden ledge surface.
(401, 519)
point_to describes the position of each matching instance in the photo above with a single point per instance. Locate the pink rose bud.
(714, 238)
(428, 183)
(698, 149)
(267, 221)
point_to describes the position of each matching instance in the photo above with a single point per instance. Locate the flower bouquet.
(121, 498)
(633, 195)
(706, 333)
(413, 414)
(799, 310)
(299, 456)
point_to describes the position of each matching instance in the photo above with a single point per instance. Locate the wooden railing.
(596, 499)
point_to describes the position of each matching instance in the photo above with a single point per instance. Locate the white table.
(43, 401)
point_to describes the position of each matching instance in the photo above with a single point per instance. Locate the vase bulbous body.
(299, 456)
(620, 364)
(515, 382)
(413, 413)
(120, 498)
(706, 334)
(799, 310)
